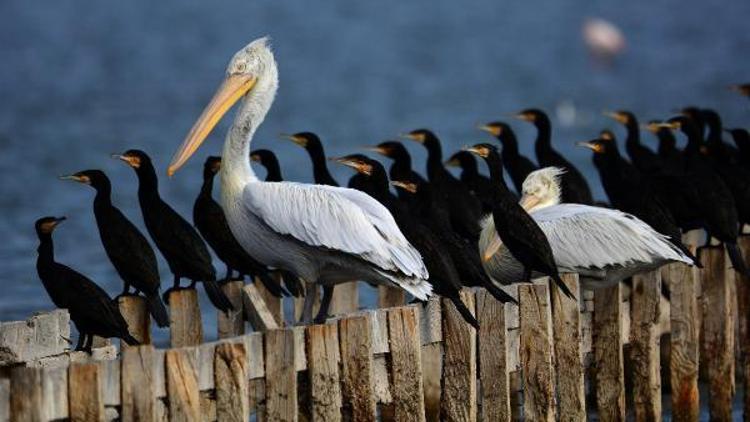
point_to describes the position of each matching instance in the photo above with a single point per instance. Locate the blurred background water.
(81, 79)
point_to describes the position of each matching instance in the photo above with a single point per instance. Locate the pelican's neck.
(236, 171)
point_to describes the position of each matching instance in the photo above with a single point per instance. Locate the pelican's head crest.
(541, 188)
(252, 59)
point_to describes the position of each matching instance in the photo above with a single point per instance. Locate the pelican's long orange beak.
(231, 90)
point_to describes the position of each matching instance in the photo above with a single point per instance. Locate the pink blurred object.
(603, 38)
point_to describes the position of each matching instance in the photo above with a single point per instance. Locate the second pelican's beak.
(492, 248)
(231, 90)
(528, 202)
(77, 178)
(407, 186)
(299, 140)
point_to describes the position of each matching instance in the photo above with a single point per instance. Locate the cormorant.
(182, 247)
(518, 166)
(477, 183)
(465, 209)
(643, 158)
(741, 138)
(91, 309)
(574, 186)
(268, 160)
(311, 143)
(516, 229)
(401, 168)
(126, 247)
(441, 267)
(742, 89)
(209, 219)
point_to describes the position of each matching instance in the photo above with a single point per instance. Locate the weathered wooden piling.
(644, 346)
(389, 297)
(536, 352)
(608, 355)
(273, 303)
(323, 371)
(85, 399)
(719, 310)
(230, 380)
(355, 336)
(493, 359)
(26, 399)
(185, 325)
(232, 323)
(256, 311)
(458, 401)
(138, 398)
(182, 385)
(135, 312)
(345, 298)
(406, 365)
(743, 319)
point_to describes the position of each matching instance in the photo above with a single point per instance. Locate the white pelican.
(322, 234)
(604, 246)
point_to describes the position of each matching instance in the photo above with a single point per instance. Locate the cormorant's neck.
(46, 248)
(510, 144)
(469, 169)
(103, 194)
(378, 186)
(495, 165)
(401, 166)
(694, 141)
(634, 133)
(148, 184)
(434, 159)
(207, 187)
(273, 171)
(667, 142)
(320, 169)
(544, 132)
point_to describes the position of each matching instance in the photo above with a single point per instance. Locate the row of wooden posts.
(417, 363)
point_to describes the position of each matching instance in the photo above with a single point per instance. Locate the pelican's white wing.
(340, 219)
(585, 236)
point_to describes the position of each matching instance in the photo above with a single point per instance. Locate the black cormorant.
(477, 183)
(518, 166)
(268, 160)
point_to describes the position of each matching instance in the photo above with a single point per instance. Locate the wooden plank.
(26, 398)
(743, 312)
(389, 297)
(719, 307)
(109, 373)
(684, 341)
(185, 325)
(493, 369)
(432, 371)
(138, 400)
(644, 345)
(232, 323)
(85, 398)
(256, 311)
(257, 393)
(310, 288)
(355, 337)
(182, 385)
(273, 303)
(608, 355)
(281, 376)
(566, 318)
(459, 396)
(345, 299)
(230, 374)
(431, 321)
(4, 399)
(55, 392)
(135, 312)
(535, 321)
(406, 365)
(323, 372)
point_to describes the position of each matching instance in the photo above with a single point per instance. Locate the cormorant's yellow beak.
(299, 140)
(590, 145)
(407, 186)
(77, 178)
(255, 157)
(616, 116)
(652, 127)
(130, 160)
(357, 165)
(418, 137)
(526, 117)
(492, 130)
(667, 125)
(377, 149)
(231, 90)
(482, 152)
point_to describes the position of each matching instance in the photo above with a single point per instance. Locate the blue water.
(82, 79)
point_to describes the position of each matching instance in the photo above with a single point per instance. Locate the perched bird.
(465, 209)
(311, 143)
(518, 166)
(323, 234)
(574, 186)
(443, 274)
(127, 249)
(630, 192)
(401, 169)
(182, 247)
(671, 157)
(515, 228)
(477, 183)
(742, 89)
(268, 160)
(741, 138)
(643, 158)
(210, 221)
(93, 312)
(604, 246)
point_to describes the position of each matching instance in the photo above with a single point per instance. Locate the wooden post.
(182, 385)
(608, 356)
(743, 313)
(355, 337)
(345, 299)
(719, 306)
(185, 325)
(323, 357)
(4, 399)
(230, 379)
(390, 297)
(26, 398)
(232, 323)
(138, 401)
(566, 318)
(310, 288)
(281, 376)
(85, 399)
(683, 361)
(644, 345)
(493, 359)
(273, 303)
(536, 352)
(459, 397)
(135, 312)
(256, 310)
(406, 390)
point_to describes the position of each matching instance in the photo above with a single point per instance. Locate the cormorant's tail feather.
(684, 249)
(157, 309)
(127, 338)
(217, 296)
(464, 311)
(271, 285)
(735, 255)
(563, 287)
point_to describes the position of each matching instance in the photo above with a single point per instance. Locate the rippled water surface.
(82, 79)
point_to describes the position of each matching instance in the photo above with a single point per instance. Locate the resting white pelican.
(322, 234)
(604, 246)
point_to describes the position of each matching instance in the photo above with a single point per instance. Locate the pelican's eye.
(241, 67)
